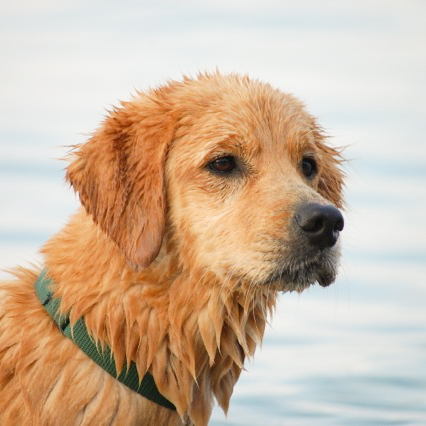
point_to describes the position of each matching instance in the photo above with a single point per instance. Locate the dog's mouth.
(298, 274)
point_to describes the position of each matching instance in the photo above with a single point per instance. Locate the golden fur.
(169, 263)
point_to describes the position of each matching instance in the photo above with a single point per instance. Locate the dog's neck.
(184, 327)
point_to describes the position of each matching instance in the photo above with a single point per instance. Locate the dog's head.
(234, 174)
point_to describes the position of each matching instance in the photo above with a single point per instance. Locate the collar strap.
(103, 357)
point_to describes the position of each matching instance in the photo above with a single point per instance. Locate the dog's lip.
(304, 273)
(325, 279)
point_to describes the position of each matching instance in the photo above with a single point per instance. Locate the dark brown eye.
(309, 167)
(223, 165)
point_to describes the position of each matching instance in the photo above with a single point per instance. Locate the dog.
(202, 200)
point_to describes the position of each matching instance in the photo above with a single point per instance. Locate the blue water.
(354, 353)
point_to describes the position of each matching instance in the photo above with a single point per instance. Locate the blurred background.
(354, 353)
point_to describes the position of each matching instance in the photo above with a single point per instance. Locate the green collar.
(104, 358)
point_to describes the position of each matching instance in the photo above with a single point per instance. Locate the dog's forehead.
(249, 118)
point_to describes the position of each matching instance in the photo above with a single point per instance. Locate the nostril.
(320, 223)
(339, 225)
(310, 223)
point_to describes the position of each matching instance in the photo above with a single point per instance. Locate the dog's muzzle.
(312, 253)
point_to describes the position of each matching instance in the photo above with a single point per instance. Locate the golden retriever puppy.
(201, 201)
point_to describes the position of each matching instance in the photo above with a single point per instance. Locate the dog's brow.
(299, 142)
(228, 145)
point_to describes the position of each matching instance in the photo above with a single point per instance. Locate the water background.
(354, 353)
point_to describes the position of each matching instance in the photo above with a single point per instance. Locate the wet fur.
(160, 261)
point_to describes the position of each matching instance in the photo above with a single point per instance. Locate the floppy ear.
(331, 178)
(330, 184)
(119, 175)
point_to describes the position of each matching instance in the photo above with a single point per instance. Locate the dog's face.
(235, 171)
(252, 189)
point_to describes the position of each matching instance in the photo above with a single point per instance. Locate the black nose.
(320, 223)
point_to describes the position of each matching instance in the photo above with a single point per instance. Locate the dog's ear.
(331, 180)
(119, 176)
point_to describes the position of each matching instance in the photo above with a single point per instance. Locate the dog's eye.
(309, 167)
(224, 165)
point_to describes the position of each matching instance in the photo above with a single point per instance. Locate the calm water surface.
(354, 353)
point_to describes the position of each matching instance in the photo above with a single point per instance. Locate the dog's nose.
(320, 223)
